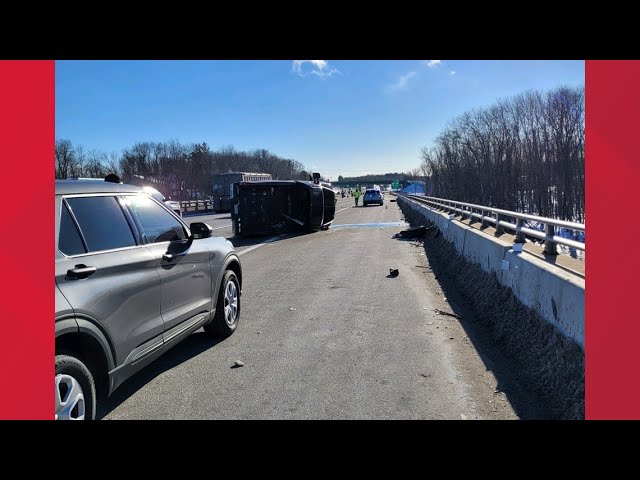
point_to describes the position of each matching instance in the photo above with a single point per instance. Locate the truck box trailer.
(281, 206)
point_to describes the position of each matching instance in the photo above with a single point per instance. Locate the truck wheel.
(227, 314)
(75, 393)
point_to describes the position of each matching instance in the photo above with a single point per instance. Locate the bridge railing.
(196, 206)
(509, 220)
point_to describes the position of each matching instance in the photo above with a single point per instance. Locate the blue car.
(372, 196)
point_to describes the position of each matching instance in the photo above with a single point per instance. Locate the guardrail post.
(499, 228)
(519, 233)
(550, 248)
(471, 217)
(484, 222)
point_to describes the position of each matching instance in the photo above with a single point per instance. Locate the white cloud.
(452, 73)
(321, 68)
(432, 63)
(402, 82)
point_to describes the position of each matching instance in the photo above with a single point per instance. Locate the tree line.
(387, 177)
(182, 171)
(525, 153)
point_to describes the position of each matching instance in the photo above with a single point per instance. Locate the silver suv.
(132, 280)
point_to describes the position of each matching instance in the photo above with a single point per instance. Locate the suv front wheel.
(75, 393)
(227, 315)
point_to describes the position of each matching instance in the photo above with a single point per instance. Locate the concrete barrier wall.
(554, 293)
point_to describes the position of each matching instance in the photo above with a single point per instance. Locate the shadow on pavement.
(526, 403)
(190, 347)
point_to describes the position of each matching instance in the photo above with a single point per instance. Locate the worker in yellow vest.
(356, 195)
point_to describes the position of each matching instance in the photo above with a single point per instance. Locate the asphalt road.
(325, 334)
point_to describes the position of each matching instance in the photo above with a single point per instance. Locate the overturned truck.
(281, 206)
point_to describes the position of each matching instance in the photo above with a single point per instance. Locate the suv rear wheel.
(228, 307)
(75, 390)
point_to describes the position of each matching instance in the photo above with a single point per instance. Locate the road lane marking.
(224, 226)
(261, 244)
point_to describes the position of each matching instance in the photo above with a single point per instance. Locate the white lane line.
(224, 226)
(261, 244)
(342, 210)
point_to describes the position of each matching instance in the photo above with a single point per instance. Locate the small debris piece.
(292, 309)
(237, 364)
(394, 272)
(440, 312)
(463, 416)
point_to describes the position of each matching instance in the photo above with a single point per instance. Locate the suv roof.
(68, 187)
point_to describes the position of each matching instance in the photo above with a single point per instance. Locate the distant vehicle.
(223, 187)
(172, 204)
(372, 196)
(281, 206)
(131, 281)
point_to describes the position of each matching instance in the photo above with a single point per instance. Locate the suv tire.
(75, 390)
(227, 315)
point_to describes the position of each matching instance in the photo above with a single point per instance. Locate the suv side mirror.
(200, 230)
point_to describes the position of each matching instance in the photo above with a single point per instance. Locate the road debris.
(441, 312)
(237, 364)
(393, 272)
(463, 416)
(292, 309)
(417, 232)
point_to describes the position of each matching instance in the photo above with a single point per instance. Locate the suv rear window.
(102, 223)
(69, 240)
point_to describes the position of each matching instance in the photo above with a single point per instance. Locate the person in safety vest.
(356, 195)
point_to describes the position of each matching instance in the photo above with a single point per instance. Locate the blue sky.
(336, 117)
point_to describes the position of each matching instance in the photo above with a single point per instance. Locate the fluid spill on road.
(370, 225)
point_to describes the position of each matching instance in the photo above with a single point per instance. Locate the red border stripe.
(613, 263)
(27, 138)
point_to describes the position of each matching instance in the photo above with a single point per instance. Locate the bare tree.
(524, 153)
(65, 158)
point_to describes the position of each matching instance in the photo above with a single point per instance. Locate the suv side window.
(102, 223)
(69, 240)
(156, 223)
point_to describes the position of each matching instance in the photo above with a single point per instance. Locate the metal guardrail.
(499, 218)
(196, 206)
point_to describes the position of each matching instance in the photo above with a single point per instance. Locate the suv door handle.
(172, 256)
(80, 271)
